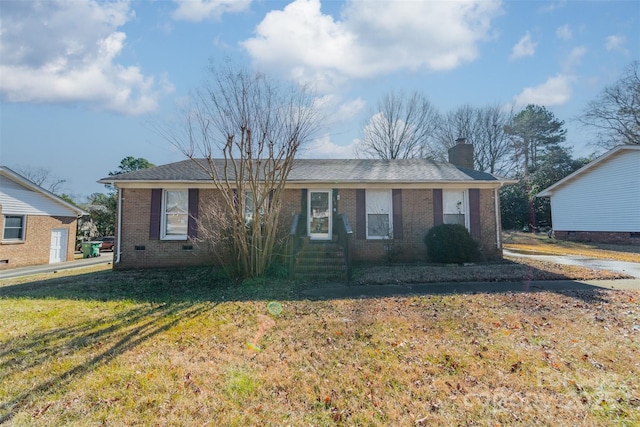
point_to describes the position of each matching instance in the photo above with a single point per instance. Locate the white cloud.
(323, 148)
(524, 47)
(370, 38)
(65, 52)
(564, 32)
(552, 6)
(337, 111)
(574, 58)
(199, 10)
(555, 91)
(616, 43)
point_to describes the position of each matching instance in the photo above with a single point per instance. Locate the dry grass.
(540, 243)
(181, 347)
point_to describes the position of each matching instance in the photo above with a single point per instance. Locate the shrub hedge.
(451, 243)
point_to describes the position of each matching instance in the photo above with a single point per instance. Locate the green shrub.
(451, 243)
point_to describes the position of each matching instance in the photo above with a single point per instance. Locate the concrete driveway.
(104, 258)
(630, 268)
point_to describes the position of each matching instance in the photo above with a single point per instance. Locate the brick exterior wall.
(417, 212)
(36, 248)
(622, 238)
(489, 225)
(417, 209)
(138, 251)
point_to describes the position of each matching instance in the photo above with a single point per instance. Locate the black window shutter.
(193, 213)
(336, 211)
(438, 218)
(361, 214)
(396, 196)
(304, 208)
(474, 213)
(156, 212)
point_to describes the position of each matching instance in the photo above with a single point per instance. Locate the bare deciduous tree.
(400, 128)
(615, 113)
(244, 129)
(492, 145)
(42, 177)
(484, 127)
(459, 123)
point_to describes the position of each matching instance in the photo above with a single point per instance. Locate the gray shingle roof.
(331, 170)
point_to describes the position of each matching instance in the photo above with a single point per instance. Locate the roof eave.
(548, 192)
(34, 187)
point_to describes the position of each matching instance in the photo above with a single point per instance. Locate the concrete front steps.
(320, 261)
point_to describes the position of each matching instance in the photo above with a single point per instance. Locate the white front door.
(319, 214)
(58, 252)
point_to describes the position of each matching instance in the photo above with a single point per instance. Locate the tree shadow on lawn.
(169, 297)
(167, 285)
(105, 338)
(207, 284)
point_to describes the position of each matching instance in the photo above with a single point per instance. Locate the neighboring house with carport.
(600, 201)
(37, 226)
(356, 209)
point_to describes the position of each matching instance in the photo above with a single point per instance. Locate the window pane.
(177, 202)
(453, 219)
(12, 234)
(378, 225)
(13, 221)
(320, 204)
(320, 225)
(13, 228)
(378, 201)
(177, 224)
(453, 202)
(176, 213)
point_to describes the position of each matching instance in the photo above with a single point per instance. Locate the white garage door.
(59, 237)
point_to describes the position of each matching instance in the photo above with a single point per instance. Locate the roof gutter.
(496, 198)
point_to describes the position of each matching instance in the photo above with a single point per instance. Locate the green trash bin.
(90, 249)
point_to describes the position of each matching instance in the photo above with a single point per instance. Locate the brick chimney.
(461, 154)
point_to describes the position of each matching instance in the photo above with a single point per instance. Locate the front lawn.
(540, 243)
(183, 347)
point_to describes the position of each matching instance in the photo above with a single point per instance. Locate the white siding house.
(36, 226)
(600, 201)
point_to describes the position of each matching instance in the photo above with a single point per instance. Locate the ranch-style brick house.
(599, 202)
(353, 209)
(37, 226)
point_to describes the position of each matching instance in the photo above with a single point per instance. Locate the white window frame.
(463, 210)
(23, 234)
(373, 207)
(163, 218)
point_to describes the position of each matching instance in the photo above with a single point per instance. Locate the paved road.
(104, 258)
(630, 268)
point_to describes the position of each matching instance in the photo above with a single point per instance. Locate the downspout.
(496, 199)
(119, 224)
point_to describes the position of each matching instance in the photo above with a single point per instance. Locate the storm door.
(319, 214)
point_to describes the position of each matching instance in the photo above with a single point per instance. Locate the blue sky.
(81, 81)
